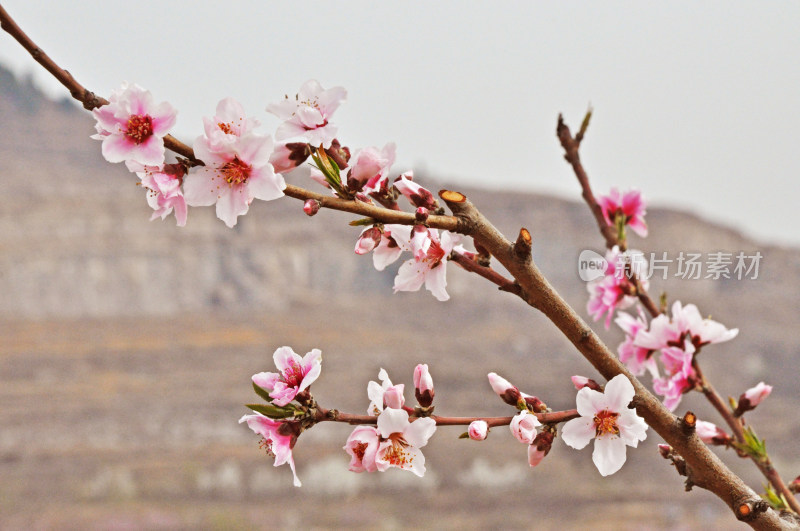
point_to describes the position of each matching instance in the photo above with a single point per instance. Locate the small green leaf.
(273, 412)
(262, 392)
(464, 435)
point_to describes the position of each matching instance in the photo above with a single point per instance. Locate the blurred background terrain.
(126, 350)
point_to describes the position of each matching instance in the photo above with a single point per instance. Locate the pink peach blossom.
(362, 445)
(294, 376)
(478, 430)
(630, 205)
(384, 395)
(163, 185)
(415, 193)
(615, 291)
(276, 443)
(369, 169)
(430, 269)
(637, 359)
(401, 441)
(133, 127)
(228, 124)
(523, 426)
(307, 115)
(233, 176)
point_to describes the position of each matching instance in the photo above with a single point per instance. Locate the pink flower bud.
(665, 450)
(478, 430)
(421, 215)
(582, 381)
(393, 397)
(504, 389)
(368, 240)
(794, 486)
(751, 398)
(423, 385)
(710, 433)
(523, 426)
(539, 448)
(311, 207)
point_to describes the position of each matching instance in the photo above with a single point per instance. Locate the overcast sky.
(696, 103)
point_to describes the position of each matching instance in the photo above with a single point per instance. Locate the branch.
(552, 417)
(538, 292)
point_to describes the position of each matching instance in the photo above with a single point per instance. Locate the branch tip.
(450, 196)
(522, 247)
(689, 422)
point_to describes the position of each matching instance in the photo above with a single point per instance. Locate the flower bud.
(751, 398)
(341, 155)
(509, 393)
(311, 207)
(665, 450)
(794, 486)
(523, 426)
(393, 397)
(582, 381)
(368, 240)
(533, 403)
(478, 430)
(421, 215)
(423, 385)
(539, 448)
(710, 433)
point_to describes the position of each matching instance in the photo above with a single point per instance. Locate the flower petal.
(609, 454)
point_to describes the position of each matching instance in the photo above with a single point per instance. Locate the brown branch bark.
(707, 470)
(551, 417)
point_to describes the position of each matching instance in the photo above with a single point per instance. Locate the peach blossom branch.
(551, 417)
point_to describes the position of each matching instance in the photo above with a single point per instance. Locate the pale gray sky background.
(696, 103)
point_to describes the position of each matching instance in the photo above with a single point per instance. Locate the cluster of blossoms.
(674, 340)
(396, 441)
(392, 434)
(240, 165)
(603, 416)
(679, 339)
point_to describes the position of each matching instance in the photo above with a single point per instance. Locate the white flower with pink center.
(428, 269)
(401, 441)
(228, 124)
(277, 444)
(233, 176)
(133, 127)
(384, 395)
(606, 418)
(307, 115)
(362, 445)
(686, 323)
(629, 206)
(523, 426)
(163, 185)
(394, 240)
(295, 374)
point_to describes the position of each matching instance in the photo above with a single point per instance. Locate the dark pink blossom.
(295, 374)
(629, 205)
(278, 444)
